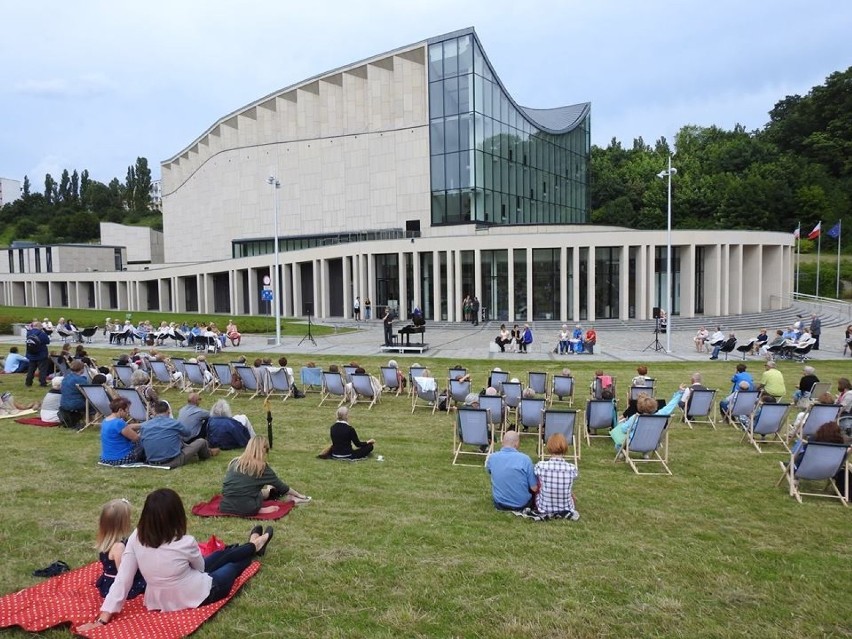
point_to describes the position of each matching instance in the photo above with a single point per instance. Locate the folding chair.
(472, 430)
(222, 375)
(701, 407)
(563, 389)
(122, 374)
(497, 378)
(194, 378)
(414, 372)
(538, 382)
(597, 386)
(138, 405)
(531, 417)
(179, 364)
(564, 422)
(816, 391)
(456, 373)
(425, 389)
(391, 380)
(333, 386)
(496, 412)
(88, 333)
(635, 391)
(768, 422)
(60, 364)
(649, 435)
(362, 388)
(161, 374)
(348, 372)
(457, 392)
(598, 416)
(817, 415)
(278, 383)
(512, 392)
(742, 406)
(819, 461)
(312, 379)
(97, 398)
(249, 380)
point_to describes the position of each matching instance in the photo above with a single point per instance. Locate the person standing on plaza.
(387, 320)
(816, 329)
(368, 307)
(356, 309)
(474, 308)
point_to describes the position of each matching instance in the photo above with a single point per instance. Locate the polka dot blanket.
(72, 598)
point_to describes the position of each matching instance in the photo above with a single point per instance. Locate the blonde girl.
(113, 529)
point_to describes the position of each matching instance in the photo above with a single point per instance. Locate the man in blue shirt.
(16, 363)
(163, 437)
(72, 403)
(513, 480)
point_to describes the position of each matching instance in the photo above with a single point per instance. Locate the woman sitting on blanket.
(178, 577)
(113, 528)
(249, 481)
(120, 440)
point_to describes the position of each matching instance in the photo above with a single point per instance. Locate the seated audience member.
(742, 385)
(503, 338)
(645, 405)
(695, 384)
(605, 381)
(556, 480)
(282, 364)
(772, 381)
(72, 403)
(51, 401)
(119, 439)
(226, 431)
(513, 481)
(778, 340)
(641, 378)
(141, 381)
(717, 337)
(759, 341)
(741, 375)
(400, 376)
(806, 382)
(232, 333)
(249, 481)
(517, 338)
(576, 340)
(344, 438)
(589, 341)
(177, 576)
(163, 440)
(15, 362)
(700, 339)
(564, 340)
(726, 343)
(844, 395)
(192, 416)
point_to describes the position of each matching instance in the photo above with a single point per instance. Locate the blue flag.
(834, 231)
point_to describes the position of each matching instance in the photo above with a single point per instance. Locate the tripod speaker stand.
(656, 343)
(308, 336)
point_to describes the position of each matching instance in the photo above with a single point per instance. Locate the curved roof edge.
(558, 120)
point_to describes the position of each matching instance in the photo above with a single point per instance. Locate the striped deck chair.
(471, 430)
(820, 461)
(564, 422)
(333, 386)
(649, 435)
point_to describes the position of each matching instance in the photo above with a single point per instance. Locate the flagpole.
(839, 233)
(798, 254)
(819, 249)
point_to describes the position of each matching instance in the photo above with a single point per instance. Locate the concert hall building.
(412, 177)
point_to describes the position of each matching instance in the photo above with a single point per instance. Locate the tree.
(50, 191)
(75, 187)
(65, 186)
(26, 189)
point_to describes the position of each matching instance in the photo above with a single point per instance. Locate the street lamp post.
(276, 288)
(669, 288)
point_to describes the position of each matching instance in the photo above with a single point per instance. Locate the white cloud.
(82, 86)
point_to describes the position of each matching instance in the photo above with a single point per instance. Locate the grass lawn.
(412, 547)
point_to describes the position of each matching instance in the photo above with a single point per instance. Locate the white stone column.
(624, 283)
(575, 285)
(298, 298)
(511, 277)
(591, 308)
(457, 281)
(529, 255)
(348, 301)
(321, 288)
(563, 277)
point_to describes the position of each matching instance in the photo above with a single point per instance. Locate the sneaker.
(574, 515)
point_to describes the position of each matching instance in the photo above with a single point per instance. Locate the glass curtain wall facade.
(490, 164)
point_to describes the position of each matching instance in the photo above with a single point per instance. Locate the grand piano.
(416, 327)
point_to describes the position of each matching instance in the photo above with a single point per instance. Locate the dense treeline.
(798, 168)
(71, 209)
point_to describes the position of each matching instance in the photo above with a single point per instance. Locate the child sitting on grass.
(113, 529)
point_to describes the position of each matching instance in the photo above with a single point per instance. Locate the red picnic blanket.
(211, 509)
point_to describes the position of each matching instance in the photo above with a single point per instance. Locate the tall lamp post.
(276, 288)
(668, 173)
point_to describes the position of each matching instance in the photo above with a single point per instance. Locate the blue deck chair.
(333, 386)
(122, 374)
(818, 414)
(496, 412)
(649, 436)
(362, 388)
(278, 384)
(138, 405)
(741, 408)
(425, 393)
(563, 389)
(222, 374)
(251, 384)
(701, 407)
(538, 382)
(564, 422)
(97, 403)
(598, 416)
(391, 380)
(497, 379)
(312, 379)
(457, 393)
(472, 430)
(767, 425)
(531, 417)
(820, 461)
(512, 393)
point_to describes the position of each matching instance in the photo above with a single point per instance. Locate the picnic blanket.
(35, 421)
(72, 598)
(211, 509)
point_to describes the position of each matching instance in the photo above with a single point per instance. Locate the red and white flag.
(797, 232)
(815, 233)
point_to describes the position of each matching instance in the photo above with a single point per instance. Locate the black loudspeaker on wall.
(656, 312)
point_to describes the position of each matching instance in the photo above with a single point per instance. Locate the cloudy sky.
(94, 84)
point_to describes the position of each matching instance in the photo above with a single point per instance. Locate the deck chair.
(278, 384)
(742, 405)
(816, 390)
(122, 374)
(767, 423)
(745, 349)
(391, 380)
(562, 389)
(635, 391)
(362, 388)
(597, 386)
(312, 379)
(138, 405)
(161, 374)
(701, 407)
(179, 364)
(560, 421)
(457, 393)
(472, 430)
(531, 417)
(222, 375)
(538, 382)
(497, 378)
(817, 415)
(512, 393)
(251, 384)
(496, 412)
(820, 461)
(60, 365)
(649, 435)
(88, 333)
(194, 378)
(456, 373)
(598, 416)
(333, 386)
(414, 372)
(348, 372)
(97, 403)
(425, 393)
